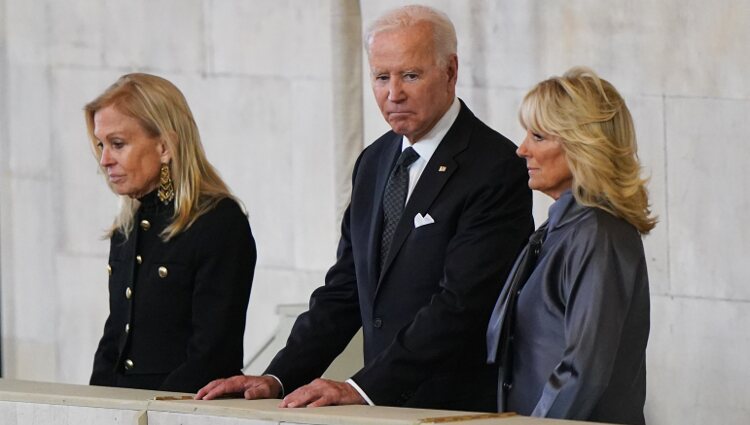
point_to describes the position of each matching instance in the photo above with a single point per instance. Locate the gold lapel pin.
(442, 168)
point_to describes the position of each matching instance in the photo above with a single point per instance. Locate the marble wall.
(273, 97)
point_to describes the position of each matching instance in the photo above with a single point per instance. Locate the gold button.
(128, 293)
(145, 225)
(138, 259)
(163, 272)
(109, 269)
(127, 327)
(129, 364)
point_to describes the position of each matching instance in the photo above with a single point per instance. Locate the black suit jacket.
(425, 313)
(182, 326)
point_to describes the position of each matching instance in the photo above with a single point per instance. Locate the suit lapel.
(437, 172)
(385, 165)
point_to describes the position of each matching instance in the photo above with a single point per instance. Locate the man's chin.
(399, 128)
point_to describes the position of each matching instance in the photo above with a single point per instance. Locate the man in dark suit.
(438, 212)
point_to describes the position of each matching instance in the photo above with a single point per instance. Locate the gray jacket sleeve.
(603, 269)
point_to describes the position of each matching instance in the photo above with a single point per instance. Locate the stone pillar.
(27, 219)
(346, 67)
(3, 157)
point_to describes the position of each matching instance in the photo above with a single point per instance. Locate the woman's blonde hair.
(598, 138)
(163, 112)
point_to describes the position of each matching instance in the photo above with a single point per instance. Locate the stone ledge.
(77, 396)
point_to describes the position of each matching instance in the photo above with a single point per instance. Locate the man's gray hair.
(403, 17)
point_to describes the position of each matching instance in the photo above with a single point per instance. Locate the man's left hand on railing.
(322, 392)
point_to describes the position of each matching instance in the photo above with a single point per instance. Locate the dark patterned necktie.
(394, 199)
(502, 321)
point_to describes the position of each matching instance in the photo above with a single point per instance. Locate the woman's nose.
(522, 151)
(106, 158)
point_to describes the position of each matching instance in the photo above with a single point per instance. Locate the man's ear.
(452, 68)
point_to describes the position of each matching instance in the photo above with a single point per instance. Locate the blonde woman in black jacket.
(182, 255)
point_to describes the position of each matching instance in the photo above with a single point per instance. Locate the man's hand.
(251, 387)
(322, 392)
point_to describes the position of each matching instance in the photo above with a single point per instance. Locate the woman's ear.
(164, 151)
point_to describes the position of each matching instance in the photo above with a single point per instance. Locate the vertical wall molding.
(348, 121)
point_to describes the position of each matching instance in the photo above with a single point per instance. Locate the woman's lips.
(116, 178)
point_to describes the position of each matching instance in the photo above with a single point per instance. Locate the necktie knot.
(407, 157)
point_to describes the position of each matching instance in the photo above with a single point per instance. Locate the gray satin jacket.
(582, 322)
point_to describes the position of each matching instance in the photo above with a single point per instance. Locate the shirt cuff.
(280, 384)
(359, 390)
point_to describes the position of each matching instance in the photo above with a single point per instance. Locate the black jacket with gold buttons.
(177, 308)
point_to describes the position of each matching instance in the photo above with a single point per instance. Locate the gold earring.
(166, 189)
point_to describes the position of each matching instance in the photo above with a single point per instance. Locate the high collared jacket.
(177, 308)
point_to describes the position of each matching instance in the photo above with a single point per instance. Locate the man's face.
(412, 92)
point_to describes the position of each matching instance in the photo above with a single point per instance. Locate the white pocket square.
(421, 220)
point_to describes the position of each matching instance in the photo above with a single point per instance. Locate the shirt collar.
(558, 208)
(428, 144)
